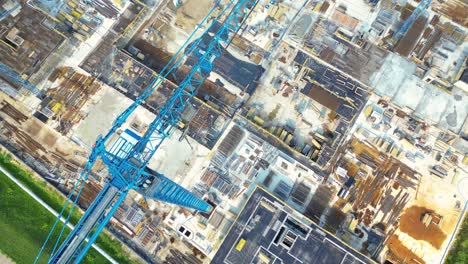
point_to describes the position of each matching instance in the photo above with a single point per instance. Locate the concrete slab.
(393, 73)
(433, 104)
(456, 113)
(410, 93)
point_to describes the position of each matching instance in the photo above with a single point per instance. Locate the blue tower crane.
(126, 160)
(417, 12)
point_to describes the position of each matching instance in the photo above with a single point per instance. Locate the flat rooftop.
(267, 231)
(242, 74)
(323, 37)
(338, 92)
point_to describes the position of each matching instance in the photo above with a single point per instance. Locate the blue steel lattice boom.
(417, 12)
(127, 162)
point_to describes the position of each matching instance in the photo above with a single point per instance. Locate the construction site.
(26, 43)
(316, 132)
(401, 184)
(43, 147)
(67, 95)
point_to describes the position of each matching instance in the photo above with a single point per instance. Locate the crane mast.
(126, 162)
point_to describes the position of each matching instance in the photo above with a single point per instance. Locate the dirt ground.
(34, 128)
(399, 253)
(440, 196)
(192, 12)
(5, 260)
(38, 136)
(410, 223)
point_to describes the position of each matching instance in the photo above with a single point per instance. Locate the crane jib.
(127, 158)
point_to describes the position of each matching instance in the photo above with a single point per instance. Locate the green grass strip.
(29, 222)
(458, 254)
